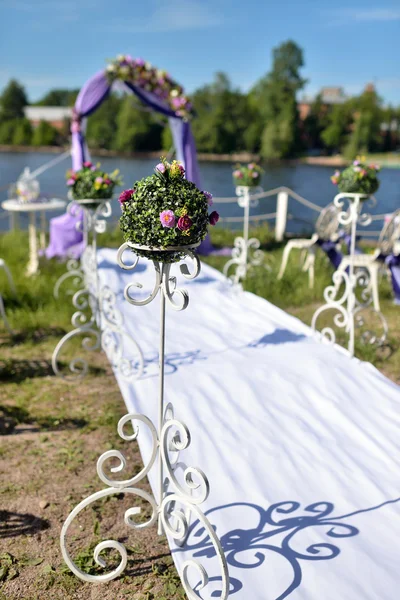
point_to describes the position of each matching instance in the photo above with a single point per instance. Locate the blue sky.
(61, 43)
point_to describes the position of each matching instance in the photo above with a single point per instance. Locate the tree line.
(264, 120)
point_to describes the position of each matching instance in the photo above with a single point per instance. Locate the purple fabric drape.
(65, 239)
(331, 251)
(63, 232)
(393, 262)
(93, 93)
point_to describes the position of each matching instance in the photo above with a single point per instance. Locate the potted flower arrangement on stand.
(358, 178)
(247, 175)
(164, 214)
(91, 186)
(357, 183)
(164, 218)
(245, 252)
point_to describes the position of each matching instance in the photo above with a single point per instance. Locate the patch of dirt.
(48, 462)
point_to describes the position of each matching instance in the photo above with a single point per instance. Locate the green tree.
(137, 129)
(102, 124)
(389, 128)
(45, 135)
(222, 117)
(275, 97)
(366, 134)
(12, 101)
(336, 132)
(22, 133)
(166, 139)
(58, 97)
(315, 122)
(7, 129)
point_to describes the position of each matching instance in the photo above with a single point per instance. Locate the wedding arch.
(157, 90)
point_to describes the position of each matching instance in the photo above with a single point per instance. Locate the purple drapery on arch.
(63, 232)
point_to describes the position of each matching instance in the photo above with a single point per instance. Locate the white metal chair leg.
(286, 252)
(373, 271)
(309, 266)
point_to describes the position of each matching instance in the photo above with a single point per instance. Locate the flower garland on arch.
(158, 82)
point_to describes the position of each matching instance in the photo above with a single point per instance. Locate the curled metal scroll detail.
(246, 251)
(176, 510)
(97, 320)
(351, 295)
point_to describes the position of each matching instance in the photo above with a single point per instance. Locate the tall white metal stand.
(96, 318)
(177, 500)
(356, 295)
(245, 253)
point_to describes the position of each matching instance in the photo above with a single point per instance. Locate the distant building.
(329, 96)
(55, 115)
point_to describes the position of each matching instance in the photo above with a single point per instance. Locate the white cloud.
(176, 16)
(372, 15)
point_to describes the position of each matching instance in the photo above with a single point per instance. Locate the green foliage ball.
(358, 178)
(143, 206)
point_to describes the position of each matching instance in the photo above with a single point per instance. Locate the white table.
(15, 206)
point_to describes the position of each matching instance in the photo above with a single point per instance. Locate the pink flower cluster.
(150, 79)
(184, 223)
(247, 175)
(101, 181)
(174, 169)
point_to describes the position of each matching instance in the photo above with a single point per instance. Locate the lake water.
(311, 182)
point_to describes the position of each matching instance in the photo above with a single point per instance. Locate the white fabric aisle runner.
(299, 442)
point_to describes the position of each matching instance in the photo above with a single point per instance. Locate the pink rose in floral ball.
(167, 218)
(184, 223)
(238, 174)
(160, 167)
(356, 163)
(213, 218)
(70, 181)
(98, 180)
(251, 166)
(125, 196)
(178, 102)
(87, 164)
(254, 175)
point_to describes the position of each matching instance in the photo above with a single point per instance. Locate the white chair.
(326, 229)
(13, 290)
(388, 244)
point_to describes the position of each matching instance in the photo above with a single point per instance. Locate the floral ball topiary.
(358, 178)
(91, 182)
(165, 210)
(247, 175)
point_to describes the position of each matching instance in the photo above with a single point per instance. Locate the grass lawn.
(52, 432)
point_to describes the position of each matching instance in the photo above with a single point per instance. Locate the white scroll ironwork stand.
(96, 318)
(349, 306)
(245, 253)
(178, 501)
